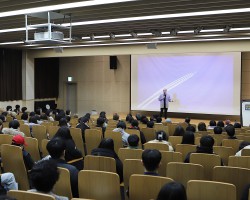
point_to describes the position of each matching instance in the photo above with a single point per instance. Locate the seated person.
(237, 125)
(172, 191)
(179, 131)
(217, 130)
(188, 138)
(25, 117)
(133, 141)
(150, 124)
(187, 120)
(83, 125)
(190, 128)
(120, 128)
(135, 125)
(151, 159)
(8, 182)
(158, 120)
(162, 137)
(13, 129)
(212, 124)
(43, 177)
(56, 148)
(116, 117)
(18, 140)
(243, 145)
(230, 131)
(100, 122)
(202, 126)
(106, 148)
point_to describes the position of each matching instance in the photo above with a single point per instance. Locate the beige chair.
(185, 149)
(12, 160)
(93, 138)
(239, 161)
(117, 138)
(55, 123)
(171, 128)
(167, 157)
(52, 130)
(76, 134)
(224, 153)
(5, 139)
(20, 121)
(208, 161)
(245, 152)
(197, 140)
(32, 148)
(39, 132)
(219, 138)
(232, 143)
(210, 190)
(25, 129)
(161, 127)
(149, 133)
(99, 185)
(62, 186)
(125, 153)
(184, 125)
(174, 140)
(24, 195)
(159, 146)
(44, 149)
(202, 133)
(184, 172)
(240, 177)
(99, 163)
(47, 124)
(146, 187)
(5, 124)
(130, 167)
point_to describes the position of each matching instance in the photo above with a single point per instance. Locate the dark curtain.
(10, 74)
(46, 78)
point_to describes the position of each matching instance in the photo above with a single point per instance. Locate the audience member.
(151, 159)
(115, 117)
(217, 130)
(243, 145)
(211, 125)
(179, 131)
(230, 131)
(100, 122)
(83, 125)
(8, 182)
(13, 129)
(138, 116)
(135, 125)
(44, 176)
(3, 117)
(106, 148)
(150, 124)
(133, 142)
(49, 115)
(68, 113)
(221, 124)
(162, 137)
(63, 122)
(190, 128)
(202, 126)
(187, 120)
(188, 138)
(172, 191)
(237, 125)
(158, 120)
(120, 128)
(24, 109)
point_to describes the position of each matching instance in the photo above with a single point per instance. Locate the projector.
(56, 35)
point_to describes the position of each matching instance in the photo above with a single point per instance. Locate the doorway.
(71, 96)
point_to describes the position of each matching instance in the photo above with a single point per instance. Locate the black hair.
(237, 125)
(138, 116)
(68, 118)
(67, 112)
(107, 143)
(24, 116)
(187, 120)
(150, 124)
(179, 131)
(212, 123)
(144, 120)
(151, 159)
(115, 116)
(102, 114)
(38, 111)
(230, 130)
(128, 117)
(32, 114)
(135, 123)
(56, 147)
(188, 138)
(9, 108)
(121, 124)
(221, 124)
(63, 122)
(202, 126)
(100, 121)
(217, 130)
(5, 114)
(172, 191)
(190, 128)
(64, 133)
(14, 124)
(133, 140)
(23, 109)
(3, 118)
(87, 115)
(44, 175)
(33, 119)
(161, 135)
(243, 144)
(44, 116)
(158, 120)
(47, 112)
(207, 141)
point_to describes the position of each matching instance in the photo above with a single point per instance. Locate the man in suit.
(164, 99)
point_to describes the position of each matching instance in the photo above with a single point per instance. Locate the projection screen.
(205, 83)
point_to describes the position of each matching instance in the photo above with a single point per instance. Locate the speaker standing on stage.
(164, 99)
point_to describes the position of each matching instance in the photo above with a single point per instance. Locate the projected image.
(196, 83)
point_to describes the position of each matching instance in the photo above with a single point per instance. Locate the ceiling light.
(92, 37)
(157, 33)
(134, 34)
(174, 31)
(227, 29)
(112, 36)
(198, 30)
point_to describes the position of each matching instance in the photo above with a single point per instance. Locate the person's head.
(32, 114)
(151, 159)
(48, 112)
(64, 133)
(121, 125)
(107, 143)
(243, 144)
(14, 124)
(187, 120)
(220, 123)
(18, 140)
(43, 116)
(17, 107)
(158, 120)
(144, 120)
(33, 119)
(103, 114)
(168, 120)
(24, 116)
(68, 112)
(115, 116)
(227, 122)
(217, 130)
(9, 108)
(84, 120)
(3, 118)
(150, 124)
(128, 117)
(44, 175)
(135, 123)
(68, 118)
(165, 91)
(188, 138)
(230, 130)
(172, 191)
(87, 115)
(23, 109)
(179, 131)
(63, 122)
(212, 123)
(56, 148)
(161, 135)
(237, 125)
(202, 126)
(138, 116)
(5, 114)
(190, 128)
(207, 141)
(100, 121)
(133, 140)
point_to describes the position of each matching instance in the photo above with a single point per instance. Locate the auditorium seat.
(149, 133)
(159, 146)
(39, 132)
(32, 148)
(125, 153)
(25, 129)
(24, 195)
(117, 138)
(224, 153)
(76, 134)
(52, 130)
(174, 140)
(239, 161)
(93, 138)
(185, 149)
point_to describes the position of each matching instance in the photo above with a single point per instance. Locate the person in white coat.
(164, 99)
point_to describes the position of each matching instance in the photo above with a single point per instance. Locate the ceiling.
(212, 25)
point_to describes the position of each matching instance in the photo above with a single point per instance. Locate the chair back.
(5, 139)
(25, 129)
(161, 127)
(52, 130)
(76, 134)
(117, 138)
(185, 149)
(12, 159)
(239, 161)
(146, 187)
(219, 138)
(245, 152)
(32, 148)
(207, 190)
(149, 133)
(93, 138)
(62, 186)
(47, 124)
(99, 185)
(240, 177)
(39, 132)
(171, 128)
(99, 163)
(224, 153)
(25, 195)
(44, 147)
(174, 140)
(184, 172)
(157, 145)
(232, 143)
(125, 153)
(208, 161)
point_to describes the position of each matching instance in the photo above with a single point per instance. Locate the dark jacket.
(83, 127)
(111, 154)
(28, 161)
(143, 139)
